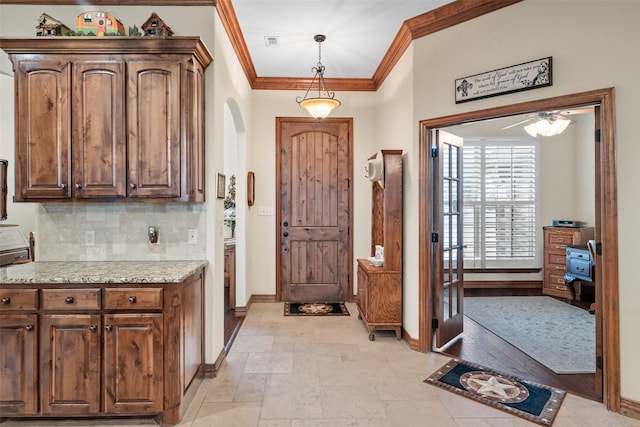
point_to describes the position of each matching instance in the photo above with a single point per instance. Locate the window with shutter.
(500, 182)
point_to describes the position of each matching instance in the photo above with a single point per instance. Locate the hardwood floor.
(481, 346)
(232, 322)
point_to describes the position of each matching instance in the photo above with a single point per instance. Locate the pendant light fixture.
(321, 105)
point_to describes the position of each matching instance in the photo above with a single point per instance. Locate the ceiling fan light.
(531, 130)
(558, 126)
(319, 107)
(543, 126)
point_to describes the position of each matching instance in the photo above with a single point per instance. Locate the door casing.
(606, 211)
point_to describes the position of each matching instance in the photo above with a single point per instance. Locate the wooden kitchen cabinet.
(101, 349)
(70, 359)
(556, 239)
(18, 363)
(379, 297)
(107, 119)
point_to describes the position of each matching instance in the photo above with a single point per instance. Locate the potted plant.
(230, 206)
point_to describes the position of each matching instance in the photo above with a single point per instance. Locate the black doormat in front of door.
(532, 401)
(315, 309)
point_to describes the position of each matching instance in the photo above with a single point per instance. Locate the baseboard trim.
(413, 343)
(211, 369)
(630, 408)
(507, 284)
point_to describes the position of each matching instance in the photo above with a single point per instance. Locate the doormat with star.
(315, 309)
(534, 402)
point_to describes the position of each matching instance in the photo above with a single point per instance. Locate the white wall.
(574, 33)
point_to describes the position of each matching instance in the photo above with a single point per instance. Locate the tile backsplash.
(118, 231)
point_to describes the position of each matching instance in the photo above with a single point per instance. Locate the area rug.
(556, 334)
(534, 402)
(315, 309)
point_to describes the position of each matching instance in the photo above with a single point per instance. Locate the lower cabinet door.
(133, 364)
(18, 364)
(70, 361)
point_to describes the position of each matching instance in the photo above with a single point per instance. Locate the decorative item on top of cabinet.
(556, 239)
(109, 118)
(379, 296)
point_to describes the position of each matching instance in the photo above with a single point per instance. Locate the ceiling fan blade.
(516, 124)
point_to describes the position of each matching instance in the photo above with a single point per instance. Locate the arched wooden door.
(314, 166)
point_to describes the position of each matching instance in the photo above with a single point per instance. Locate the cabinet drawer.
(557, 240)
(555, 281)
(71, 299)
(133, 298)
(18, 299)
(555, 258)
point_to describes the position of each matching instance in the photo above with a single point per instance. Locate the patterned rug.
(534, 402)
(315, 309)
(556, 334)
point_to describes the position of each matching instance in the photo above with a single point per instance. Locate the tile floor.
(324, 371)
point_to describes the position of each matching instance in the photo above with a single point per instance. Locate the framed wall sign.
(221, 186)
(516, 78)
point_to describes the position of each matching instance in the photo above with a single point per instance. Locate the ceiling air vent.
(271, 41)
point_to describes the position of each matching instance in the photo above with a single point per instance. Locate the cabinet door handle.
(132, 299)
(6, 301)
(63, 186)
(69, 300)
(79, 186)
(108, 327)
(29, 328)
(133, 186)
(285, 234)
(93, 328)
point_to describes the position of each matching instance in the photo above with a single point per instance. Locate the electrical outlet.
(90, 238)
(192, 236)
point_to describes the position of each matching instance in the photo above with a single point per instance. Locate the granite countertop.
(61, 272)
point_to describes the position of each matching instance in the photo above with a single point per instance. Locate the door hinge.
(599, 362)
(434, 237)
(599, 248)
(434, 323)
(434, 151)
(597, 135)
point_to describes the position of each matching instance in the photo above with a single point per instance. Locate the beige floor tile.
(351, 401)
(228, 415)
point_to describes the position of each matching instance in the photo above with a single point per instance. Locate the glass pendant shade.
(319, 106)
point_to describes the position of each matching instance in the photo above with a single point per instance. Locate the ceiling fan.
(548, 123)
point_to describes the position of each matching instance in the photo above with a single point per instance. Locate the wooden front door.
(314, 167)
(447, 237)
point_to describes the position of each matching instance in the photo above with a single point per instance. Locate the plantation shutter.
(500, 213)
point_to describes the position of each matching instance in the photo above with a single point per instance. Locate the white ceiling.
(359, 33)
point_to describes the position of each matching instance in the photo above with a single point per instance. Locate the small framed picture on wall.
(221, 186)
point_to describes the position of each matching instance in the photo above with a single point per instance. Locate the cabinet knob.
(6, 301)
(286, 224)
(108, 327)
(285, 234)
(29, 328)
(69, 300)
(132, 299)
(78, 186)
(133, 186)
(63, 186)
(93, 328)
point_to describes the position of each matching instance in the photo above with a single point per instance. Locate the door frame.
(310, 120)
(606, 202)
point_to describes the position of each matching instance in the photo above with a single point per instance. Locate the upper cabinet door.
(99, 140)
(154, 135)
(43, 131)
